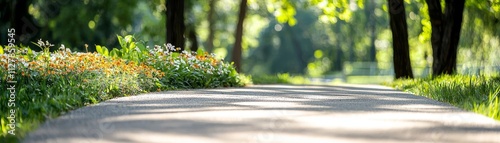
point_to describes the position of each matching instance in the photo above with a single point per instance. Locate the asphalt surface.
(270, 114)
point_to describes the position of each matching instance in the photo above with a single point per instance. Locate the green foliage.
(49, 84)
(185, 70)
(75, 23)
(283, 10)
(129, 50)
(52, 83)
(474, 93)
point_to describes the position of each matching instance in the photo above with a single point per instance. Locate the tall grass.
(473, 93)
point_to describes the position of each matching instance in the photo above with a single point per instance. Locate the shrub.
(52, 83)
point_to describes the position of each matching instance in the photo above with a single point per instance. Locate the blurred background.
(352, 44)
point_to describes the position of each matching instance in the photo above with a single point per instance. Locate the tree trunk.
(175, 23)
(445, 34)
(236, 57)
(339, 58)
(401, 50)
(296, 46)
(372, 25)
(22, 22)
(211, 26)
(193, 39)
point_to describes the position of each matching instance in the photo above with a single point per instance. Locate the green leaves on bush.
(51, 83)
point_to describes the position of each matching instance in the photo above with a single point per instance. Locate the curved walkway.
(270, 114)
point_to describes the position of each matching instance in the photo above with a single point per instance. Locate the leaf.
(175, 55)
(99, 49)
(200, 52)
(113, 53)
(106, 52)
(129, 38)
(1, 49)
(142, 47)
(30, 52)
(123, 44)
(131, 46)
(134, 56)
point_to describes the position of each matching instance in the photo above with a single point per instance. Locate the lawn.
(479, 94)
(285, 78)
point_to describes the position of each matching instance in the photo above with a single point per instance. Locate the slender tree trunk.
(445, 36)
(372, 24)
(175, 23)
(22, 22)
(193, 39)
(236, 57)
(352, 53)
(296, 46)
(211, 26)
(339, 58)
(401, 49)
(352, 43)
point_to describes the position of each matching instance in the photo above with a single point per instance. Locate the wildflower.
(62, 47)
(40, 43)
(170, 47)
(157, 48)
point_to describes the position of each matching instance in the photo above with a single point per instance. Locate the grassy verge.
(479, 94)
(52, 83)
(283, 78)
(369, 79)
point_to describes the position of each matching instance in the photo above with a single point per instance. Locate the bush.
(52, 83)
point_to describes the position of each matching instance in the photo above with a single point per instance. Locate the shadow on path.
(270, 113)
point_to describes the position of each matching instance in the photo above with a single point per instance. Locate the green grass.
(282, 78)
(369, 79)
(473, 93)
(50, 84)
(285, 78)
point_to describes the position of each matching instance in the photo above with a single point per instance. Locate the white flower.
(40, 43)
(170, 47)
(48, 44)
(62, 47)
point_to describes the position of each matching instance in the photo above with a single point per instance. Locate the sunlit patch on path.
(271, 113)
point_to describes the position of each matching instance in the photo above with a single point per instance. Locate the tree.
(401, 50)
(445, 34)
(211, 26)
(16, 14)
(236, 57)
(175, 23)
(98, 22)
(372, 26)
(342, 10)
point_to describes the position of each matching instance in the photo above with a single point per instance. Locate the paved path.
(270, 114)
